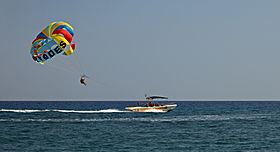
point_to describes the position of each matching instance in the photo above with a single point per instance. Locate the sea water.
(108, 127)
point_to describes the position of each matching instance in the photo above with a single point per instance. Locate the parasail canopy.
(56, 38)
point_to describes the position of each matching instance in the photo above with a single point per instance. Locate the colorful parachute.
(56, 38)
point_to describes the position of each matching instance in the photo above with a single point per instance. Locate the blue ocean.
(107, 127)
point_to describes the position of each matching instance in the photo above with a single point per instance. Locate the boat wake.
(23, 110)
(92, 111)
(62, 111)
(75, 111)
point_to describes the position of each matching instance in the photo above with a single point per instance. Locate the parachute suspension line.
(45, 68)
(69, 64)
(79, 63)
(76, 56)
(60, 68)
(82, 70)
(62, 65)
(72, 63)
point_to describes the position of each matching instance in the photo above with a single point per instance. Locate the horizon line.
(2, 100)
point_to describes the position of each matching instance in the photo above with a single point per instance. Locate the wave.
(146, 119)
(220, 117)
(63, 111)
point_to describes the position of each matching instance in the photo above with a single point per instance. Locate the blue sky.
(183, 49)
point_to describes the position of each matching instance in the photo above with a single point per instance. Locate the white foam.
(111, 110)
(61, 110)
(23, 110)
(91, 111)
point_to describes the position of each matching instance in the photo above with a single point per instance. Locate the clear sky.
(183, 49)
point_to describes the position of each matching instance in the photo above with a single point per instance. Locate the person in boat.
(83, 80)
(150, 104)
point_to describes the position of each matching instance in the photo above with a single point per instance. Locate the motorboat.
(152, 106)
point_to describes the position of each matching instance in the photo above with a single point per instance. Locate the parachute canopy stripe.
(65, 33)
(50, 27)
(37, 39)
(67, 28)
(73, 46)
(62, 25)
(41, 35)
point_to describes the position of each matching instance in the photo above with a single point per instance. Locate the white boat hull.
(160, 108)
